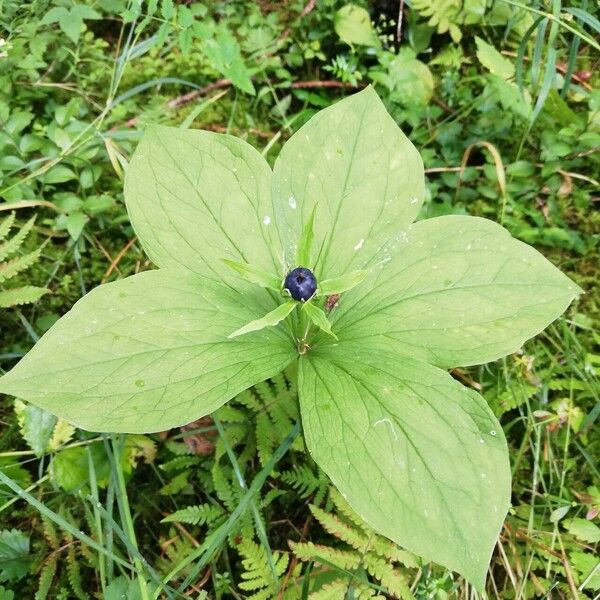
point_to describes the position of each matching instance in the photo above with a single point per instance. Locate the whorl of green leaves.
(420, 457)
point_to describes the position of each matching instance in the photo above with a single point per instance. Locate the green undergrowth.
(503, 106)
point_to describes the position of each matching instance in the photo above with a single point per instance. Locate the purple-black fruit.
(301, 284)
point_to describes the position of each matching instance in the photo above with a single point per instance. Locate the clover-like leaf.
(367, 178)
(150, 352)
(462, 291)
(420, 457)
(196, 197)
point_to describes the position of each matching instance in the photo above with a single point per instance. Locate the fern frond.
(234, 434)
(281, 416)
(178, 463)
(343, 559)
(230, 414)
(86, 551)
(391, 578)
(344, 508)
(200, 514)
(11, 268)
(364, 592)
(6, 225)
(271, 496)
(265, 392)
(46, 576)
(249, 400)
(336, 590)
(229, 493)
(11, 246)
(568, 384)
(367, 550)
(175, 550)
(19, 295)
(74, 573)
(50, 533)
(378, 544)
(306, 483)
(280, 383)
(22, 295)
(352, 536)
(178, 483)
(257, 574)
(178, 448)
(340, 589)
(447, 15)
(266, 439)
(224, 489)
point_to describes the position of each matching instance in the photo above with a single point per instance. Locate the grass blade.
(207, 549)
(62, 523)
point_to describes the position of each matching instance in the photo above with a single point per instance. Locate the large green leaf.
(150, 352)
(364, 175)
(196, 197)
(420, 457)
(353, 24)
(460, 291)
(15, 560)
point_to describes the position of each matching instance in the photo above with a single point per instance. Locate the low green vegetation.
(500, 99)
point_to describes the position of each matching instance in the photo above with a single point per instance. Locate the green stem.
(126, 515)
(31, 453)
(97, 518)
(557, 20)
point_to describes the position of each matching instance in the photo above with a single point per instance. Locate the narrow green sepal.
(306, 241)
(318, 317)
(337, 285)
(254, 274)
(269, 320)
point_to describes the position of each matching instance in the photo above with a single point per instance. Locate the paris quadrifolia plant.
(317, 265)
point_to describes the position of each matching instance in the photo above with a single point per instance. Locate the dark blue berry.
(300, 283)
